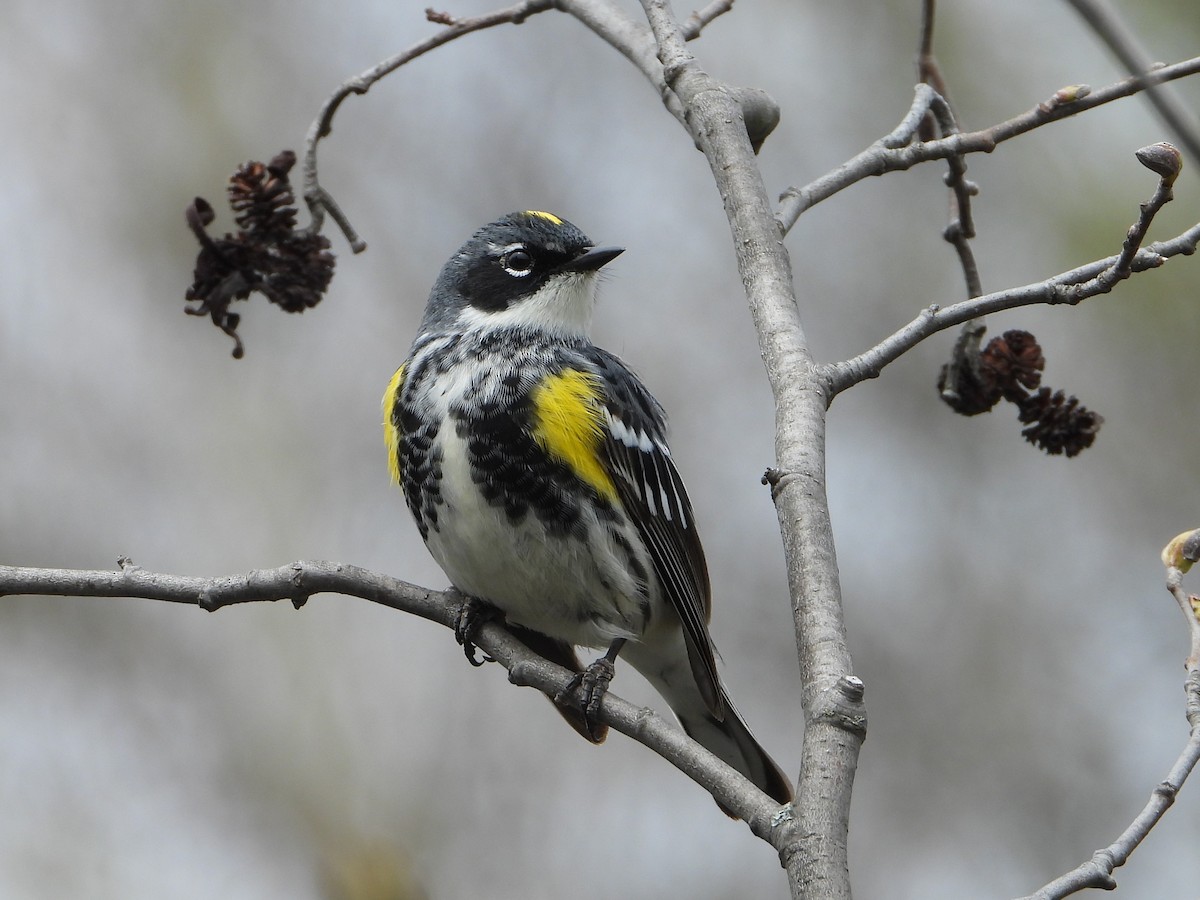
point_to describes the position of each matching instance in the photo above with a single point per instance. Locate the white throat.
(563, 306)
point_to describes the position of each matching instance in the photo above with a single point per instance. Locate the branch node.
(784, 816)
(841, 706)
(852, 688)
(760, 113)
(439, 18)
(1064, 96)
(778, 479)
(208, 601)
(1167, 791)
(1103, 864)
(521, 674)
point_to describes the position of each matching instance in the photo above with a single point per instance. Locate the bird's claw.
(473, 615)
(586, 690)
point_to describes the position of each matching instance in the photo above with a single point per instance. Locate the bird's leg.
(471, 617)
(591, 685)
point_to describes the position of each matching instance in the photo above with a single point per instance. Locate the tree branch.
(1164, 160)
(1178, 557)
(1106, 22)
(813, 849)
(701, 18)
(318, 199)
(895, 152)
(961, 229)
(1071, 287)
(300, 580)
(631, 39)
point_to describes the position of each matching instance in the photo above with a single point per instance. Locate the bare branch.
(961, 228)
(814, 847)
(700, 19)
(318, 199)
(1103, 19)
(608, 21)
(1164, 160)
(930, 72)
(1097, 872)
(887, 156)
(1068, 287)
(631, 39)
(300, 580)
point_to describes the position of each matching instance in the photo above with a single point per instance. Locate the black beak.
(593, 259)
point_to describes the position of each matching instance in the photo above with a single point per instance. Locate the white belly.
(582, 592)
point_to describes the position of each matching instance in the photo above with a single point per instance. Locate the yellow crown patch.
(549, 217)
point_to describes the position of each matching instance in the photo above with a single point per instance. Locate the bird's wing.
(656, 501)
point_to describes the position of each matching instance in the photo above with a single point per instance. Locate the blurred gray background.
(1023, 663)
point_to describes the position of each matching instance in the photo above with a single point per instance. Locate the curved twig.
(318, 199)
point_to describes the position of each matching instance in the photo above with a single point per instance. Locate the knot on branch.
(760, 114)
(1009, 368)
(778, 480)
(291, 268)
(841, 705)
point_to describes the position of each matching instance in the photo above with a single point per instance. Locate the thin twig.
(299, 581)
(881, 158)
(700, 18)
(1164, 160)
(631, 39)
(1103, 19)
(1063, 288)
(962, 228)
(928, 70)
(318, 199)
(1097, 872)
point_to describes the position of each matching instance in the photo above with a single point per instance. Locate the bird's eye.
(517, 262)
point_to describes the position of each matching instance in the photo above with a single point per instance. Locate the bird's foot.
(587, 689)
(473, 615)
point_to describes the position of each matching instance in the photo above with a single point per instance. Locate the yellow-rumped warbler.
(537, 468)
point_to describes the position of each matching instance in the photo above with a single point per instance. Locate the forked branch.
(1072, 287)
(897, 151)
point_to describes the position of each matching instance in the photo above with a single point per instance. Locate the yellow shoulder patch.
(568, 423)
(391, 432)
(549, 217)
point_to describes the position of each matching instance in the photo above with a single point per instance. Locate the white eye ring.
(517, 262)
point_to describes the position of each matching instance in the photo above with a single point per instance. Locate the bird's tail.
(728, 738)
